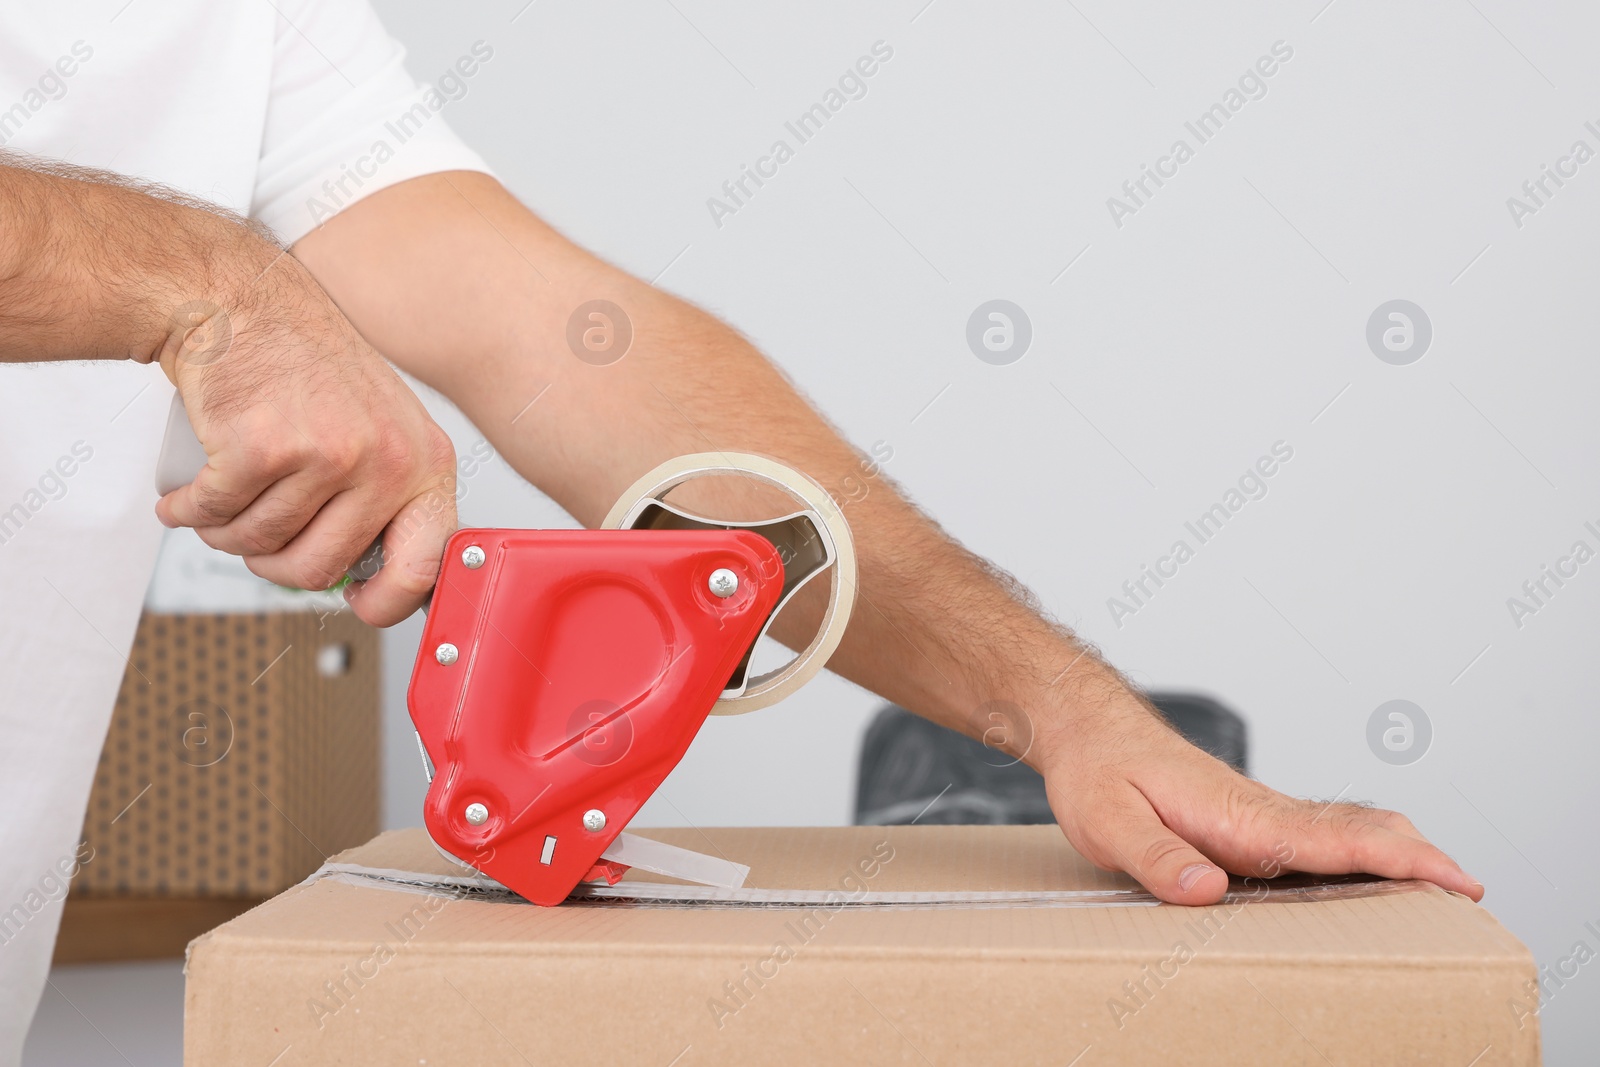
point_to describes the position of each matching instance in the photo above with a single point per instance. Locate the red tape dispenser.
(563, 673)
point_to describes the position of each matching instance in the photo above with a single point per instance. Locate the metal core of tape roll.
(809, 542)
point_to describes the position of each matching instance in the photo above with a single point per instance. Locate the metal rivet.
(594, 820)
(477, 814)
(473, 557)
(446, 654)
(724, 583)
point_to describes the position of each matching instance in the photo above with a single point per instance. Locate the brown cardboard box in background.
(347, 970)
(243, 750)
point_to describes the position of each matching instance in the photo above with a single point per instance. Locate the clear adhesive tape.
(773, 686)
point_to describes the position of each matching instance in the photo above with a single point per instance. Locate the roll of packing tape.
(643, 506)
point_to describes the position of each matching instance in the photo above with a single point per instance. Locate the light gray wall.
(1228, 313)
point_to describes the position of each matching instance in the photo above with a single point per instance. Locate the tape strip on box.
(1290, 889)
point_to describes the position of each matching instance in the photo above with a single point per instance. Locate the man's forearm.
(93, 266)
(934, 628)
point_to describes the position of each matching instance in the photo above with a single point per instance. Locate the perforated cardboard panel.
(242, 752)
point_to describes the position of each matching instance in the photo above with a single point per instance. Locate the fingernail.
(1192, 874)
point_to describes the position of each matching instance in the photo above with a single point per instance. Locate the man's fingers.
(1123, 831)
(215, 496)
(341, 533)
(1350, 838)
(413, 545)
(320, 554)
(1252, 830)
(246, 456)
(303, 525)
(274, 518)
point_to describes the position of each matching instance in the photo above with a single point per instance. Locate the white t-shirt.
(286, 111)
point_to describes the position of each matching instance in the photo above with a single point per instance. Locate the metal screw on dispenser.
(477, 814)
(446, 654)
(594, 820)
(724, 583)
(473, 557)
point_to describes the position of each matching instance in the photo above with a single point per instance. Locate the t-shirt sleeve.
(345, 120)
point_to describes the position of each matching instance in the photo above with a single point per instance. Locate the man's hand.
(315, 445)
(1132, 795)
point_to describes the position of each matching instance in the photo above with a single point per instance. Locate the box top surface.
(1402, 925)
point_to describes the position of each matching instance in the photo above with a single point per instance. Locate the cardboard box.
(242, 752)
(916, 945)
